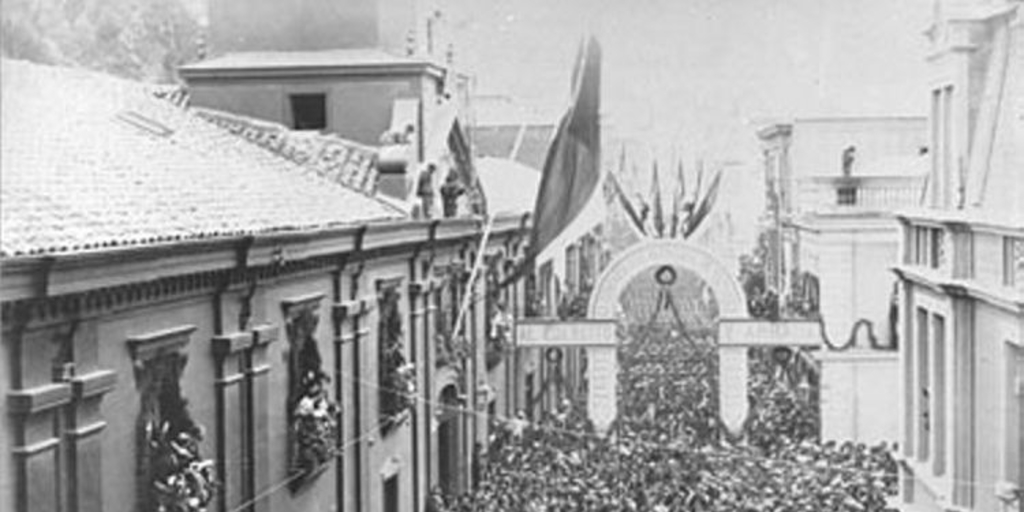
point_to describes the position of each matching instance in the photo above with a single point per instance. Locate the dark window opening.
(847, 196)
(391, 494)
(309, 111)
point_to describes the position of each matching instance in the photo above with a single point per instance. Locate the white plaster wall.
(995, 452)
(859, 399)
(852, 263)
(988, 259)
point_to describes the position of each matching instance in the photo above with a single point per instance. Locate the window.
(928, 246)
(1015, 413)
(939, 393)
(1013, 262)
(947, 147)
(309, 111)
(846, 196)
(572, 257)
(936, 249)
(937, 148)
(396, 378)
(391, 494)
(945, 171)
(923, 399)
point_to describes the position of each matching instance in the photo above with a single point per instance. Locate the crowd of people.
(668, 451)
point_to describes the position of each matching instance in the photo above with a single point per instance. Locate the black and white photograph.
(512, 256)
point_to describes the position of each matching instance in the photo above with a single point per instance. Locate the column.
(232, 417)
(258, 387)
(34, 411)
(962, 437)
(602, 371)
(732, 385)
(350, 316)
(85, 445)
(418, 347)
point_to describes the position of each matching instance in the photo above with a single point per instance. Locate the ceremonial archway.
(736, 330)
(604, 299)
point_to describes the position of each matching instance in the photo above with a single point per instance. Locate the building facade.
(833, 187)
(189, 316)
(371, 71)
(961, 290)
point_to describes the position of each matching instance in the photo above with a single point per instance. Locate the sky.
(696, 77)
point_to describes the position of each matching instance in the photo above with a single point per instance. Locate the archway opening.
(668, 357)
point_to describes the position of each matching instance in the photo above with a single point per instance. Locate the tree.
(138, 39)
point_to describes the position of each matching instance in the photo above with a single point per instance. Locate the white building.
(962, 271)
(833, 186)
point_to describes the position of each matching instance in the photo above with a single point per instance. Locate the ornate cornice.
(145, 347)
(252, 260)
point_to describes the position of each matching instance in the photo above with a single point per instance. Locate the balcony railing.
(834, 194)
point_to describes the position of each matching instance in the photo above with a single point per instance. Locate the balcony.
(859, 194)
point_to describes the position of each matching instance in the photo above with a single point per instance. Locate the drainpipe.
(428, 362)
(220, 427)
(357, 390)
(339, 350)
(414, 299)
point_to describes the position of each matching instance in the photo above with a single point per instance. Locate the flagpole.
(477, 264)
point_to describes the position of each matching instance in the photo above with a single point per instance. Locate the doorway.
(448, 450)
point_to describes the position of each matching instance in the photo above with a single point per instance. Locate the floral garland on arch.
(314, 424)
(183, 481)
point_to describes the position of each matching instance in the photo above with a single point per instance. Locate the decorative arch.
(609, 286)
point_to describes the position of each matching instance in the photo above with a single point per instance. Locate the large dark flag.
(572, 167)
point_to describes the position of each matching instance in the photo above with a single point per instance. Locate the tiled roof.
(92, 162)
(333, 157)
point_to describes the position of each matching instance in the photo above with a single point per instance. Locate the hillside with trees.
(139, 39)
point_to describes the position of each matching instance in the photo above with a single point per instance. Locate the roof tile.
(78, 177)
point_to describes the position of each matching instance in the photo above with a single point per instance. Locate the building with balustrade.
(961, 271)
(833, 186)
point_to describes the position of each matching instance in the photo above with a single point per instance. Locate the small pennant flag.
(658, 221)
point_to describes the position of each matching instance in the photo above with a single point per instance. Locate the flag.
(677, 201)
(572, 166)
(700, 178)
(705, 206)
(631, 212)
(658, 222)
